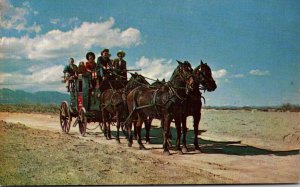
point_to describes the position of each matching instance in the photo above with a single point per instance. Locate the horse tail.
(203, 99)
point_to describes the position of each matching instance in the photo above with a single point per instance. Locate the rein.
(174, 92)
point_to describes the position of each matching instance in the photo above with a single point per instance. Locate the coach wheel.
(82, 121)
(65, 118)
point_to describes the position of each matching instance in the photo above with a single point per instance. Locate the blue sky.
(253, 47)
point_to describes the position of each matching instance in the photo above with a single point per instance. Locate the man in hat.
(119, 64)
(69, 71)
(104, 64)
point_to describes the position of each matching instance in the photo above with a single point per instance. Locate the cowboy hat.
(121, 53)
(104, 50)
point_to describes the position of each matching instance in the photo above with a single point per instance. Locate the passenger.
(104, 64)
(69, 71)
(119, 64)
(90, 67)
(81, 68)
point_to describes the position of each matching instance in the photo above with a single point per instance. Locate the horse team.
(139, 102)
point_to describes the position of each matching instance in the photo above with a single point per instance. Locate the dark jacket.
(102, 65)
(120, 67)
(70, 69)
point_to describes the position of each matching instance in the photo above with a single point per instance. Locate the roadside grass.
(30, 108)
(54, 108)
(281, 108)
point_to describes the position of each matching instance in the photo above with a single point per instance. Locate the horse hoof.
(166, 153)
(198, 150)
(142, 147)
(148, 142)
(184, 149)
(118, 141)
(179, 152)
(129, 144)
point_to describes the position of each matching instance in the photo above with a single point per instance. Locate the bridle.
(203, 76)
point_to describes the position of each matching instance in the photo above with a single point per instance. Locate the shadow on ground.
(213, 147)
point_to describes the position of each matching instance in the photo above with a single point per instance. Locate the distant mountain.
(8, 96)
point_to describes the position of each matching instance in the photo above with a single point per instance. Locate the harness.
(103, 106)
(154, 103)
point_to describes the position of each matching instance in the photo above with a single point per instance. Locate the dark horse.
(193, 105)
(113, 102)
(148, 121)
(163, 103)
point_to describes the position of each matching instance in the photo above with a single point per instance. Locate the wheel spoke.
(64, 117)
(82, 122)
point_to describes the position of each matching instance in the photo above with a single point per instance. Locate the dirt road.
(237, 148)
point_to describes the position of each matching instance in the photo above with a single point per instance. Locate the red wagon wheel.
(82, 121)
(65, 118)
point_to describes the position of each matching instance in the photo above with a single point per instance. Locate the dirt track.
(238, 147)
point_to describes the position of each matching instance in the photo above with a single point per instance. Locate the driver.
(104, 64)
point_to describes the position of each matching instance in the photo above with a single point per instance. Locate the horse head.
(135, 81)
(183, 76)
(158, 83)
(204, 75)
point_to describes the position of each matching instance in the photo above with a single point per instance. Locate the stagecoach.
(89, 104)
(84, 106)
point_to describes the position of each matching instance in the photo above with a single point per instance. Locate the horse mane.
(135, 80)
(175, 73)
(204, 64)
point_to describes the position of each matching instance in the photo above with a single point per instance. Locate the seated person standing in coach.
(90, 67)
(70, 70)
(104, 64)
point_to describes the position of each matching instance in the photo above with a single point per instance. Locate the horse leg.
(169, 139)
(166, 131)
(118, 128)
(184, 131)
(109, 131)
(101, 126)
(104, 124)
(134, 130)
(197, 118)
(139, 131)
(129, 138)
(148, 127)
(178, 128)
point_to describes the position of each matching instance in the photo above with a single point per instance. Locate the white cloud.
(73, 20)
(156, 68)
(258, 72)
(46, 75)
(40, 79)
(56, 44)
(54, 21)
(219, 73)
(15, 17)
(239, 76)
